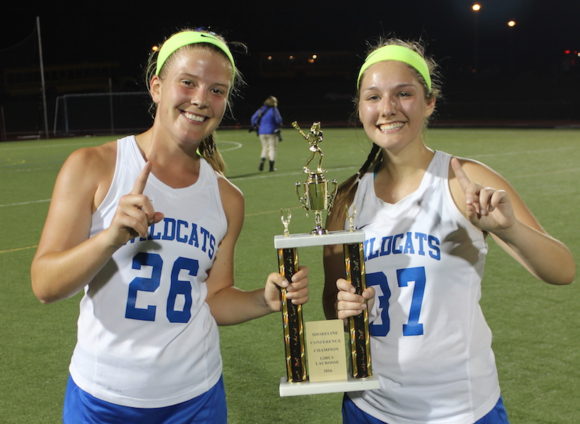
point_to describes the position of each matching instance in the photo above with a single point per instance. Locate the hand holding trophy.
(326, 369)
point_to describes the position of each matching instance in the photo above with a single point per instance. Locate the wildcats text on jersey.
(171, 229)
(409, 243)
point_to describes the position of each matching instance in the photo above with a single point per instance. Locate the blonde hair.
(208, 148)
(271, 101)
(374, 160)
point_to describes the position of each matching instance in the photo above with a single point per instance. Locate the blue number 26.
(151, 284)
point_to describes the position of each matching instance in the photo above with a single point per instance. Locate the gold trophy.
(323, 370)
(316, 195)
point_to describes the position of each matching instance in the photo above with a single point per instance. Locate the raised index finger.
(462, 177)
(141, 180)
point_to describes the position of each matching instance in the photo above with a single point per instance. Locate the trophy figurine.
(317, 194)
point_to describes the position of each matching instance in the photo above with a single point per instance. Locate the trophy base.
(309, 240)
(321, 387)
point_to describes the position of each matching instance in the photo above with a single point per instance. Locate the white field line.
(236, 145)
(39, 145)
(30, 202)
(17, 249)
(285, 174)
(270, 175)
(521, 152)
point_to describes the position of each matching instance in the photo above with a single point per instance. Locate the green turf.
(536, 326)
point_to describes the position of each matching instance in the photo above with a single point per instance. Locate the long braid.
(371, 159)
(347, 189)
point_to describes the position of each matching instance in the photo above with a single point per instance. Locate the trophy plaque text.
(316, 195)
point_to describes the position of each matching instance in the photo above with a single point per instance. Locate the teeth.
(194, 117)
(391, 126)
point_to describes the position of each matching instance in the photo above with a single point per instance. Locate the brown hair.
(374, 160)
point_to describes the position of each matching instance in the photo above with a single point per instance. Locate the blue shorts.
(351, 414)
(83, 408)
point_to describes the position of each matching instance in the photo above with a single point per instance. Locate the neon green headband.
(185, 38)
(401, 54)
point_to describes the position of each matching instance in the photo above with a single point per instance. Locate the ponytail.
(208, 150)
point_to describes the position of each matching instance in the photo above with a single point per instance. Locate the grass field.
(536, 326)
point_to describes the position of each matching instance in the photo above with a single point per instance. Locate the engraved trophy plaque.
(316, 195)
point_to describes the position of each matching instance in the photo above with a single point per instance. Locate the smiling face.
(192, 93)
(392, 105)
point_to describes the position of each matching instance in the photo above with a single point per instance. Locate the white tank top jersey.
(430, 345)
(146, 336)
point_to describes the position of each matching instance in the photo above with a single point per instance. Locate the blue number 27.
(404, 276)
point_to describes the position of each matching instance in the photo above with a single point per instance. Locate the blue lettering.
(372, 254)
(386, 245)
(193, 241)
(182, 232)
(435, 251)
(205, 237)
(180, 238)
(152, 234)
(409, 244)
(168, 229)
(211, 251)
(396, 249)
(421, 237)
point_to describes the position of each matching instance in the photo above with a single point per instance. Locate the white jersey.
(146, 336)
(431, 346)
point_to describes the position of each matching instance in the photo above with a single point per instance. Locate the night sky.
(105, 31)
(521, 69)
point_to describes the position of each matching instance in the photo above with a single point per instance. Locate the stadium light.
(511, 23)
(475, 8)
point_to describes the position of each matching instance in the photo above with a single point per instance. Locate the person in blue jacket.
(267, 122)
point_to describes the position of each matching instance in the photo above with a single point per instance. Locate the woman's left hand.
(296, 290)
(487, 208)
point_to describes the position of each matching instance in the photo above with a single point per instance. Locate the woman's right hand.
(67, 259)
(135, 213)
(349, 303)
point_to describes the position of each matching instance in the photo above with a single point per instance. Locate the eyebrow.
(188, 75)
(402, 85)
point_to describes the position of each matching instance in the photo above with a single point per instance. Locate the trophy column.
(358, 326)
(292, 321)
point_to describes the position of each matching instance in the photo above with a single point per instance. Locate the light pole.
(475, 8)
(42, 81)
